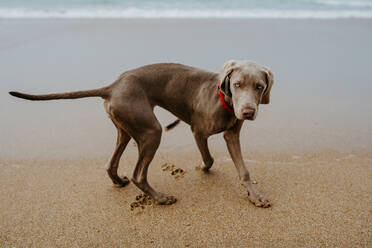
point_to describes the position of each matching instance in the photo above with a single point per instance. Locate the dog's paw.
(257, 199)
(203, 168)
(124, 181)
(163, 199)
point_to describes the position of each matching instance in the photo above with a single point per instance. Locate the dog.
(209, 102)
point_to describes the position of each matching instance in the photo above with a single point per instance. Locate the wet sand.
(310, 150)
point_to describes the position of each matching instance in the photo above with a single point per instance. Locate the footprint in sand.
(142, 200)
(176, 172)
(167, 167)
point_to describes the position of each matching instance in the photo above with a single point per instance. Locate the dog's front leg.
(231, 137)
(202, 142)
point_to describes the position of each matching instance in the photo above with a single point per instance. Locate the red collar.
(223, 102)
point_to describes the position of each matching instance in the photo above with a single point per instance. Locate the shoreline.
(172, 13)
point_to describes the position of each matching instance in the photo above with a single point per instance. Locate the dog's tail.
(172, 125)
(102, 92)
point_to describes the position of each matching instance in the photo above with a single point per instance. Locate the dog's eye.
(237, 85)
(259, 87)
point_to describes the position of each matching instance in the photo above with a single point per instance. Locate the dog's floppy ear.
(269, 83)
(227, 69)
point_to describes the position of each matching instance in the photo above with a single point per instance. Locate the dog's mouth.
(247, 118)
(250, 118)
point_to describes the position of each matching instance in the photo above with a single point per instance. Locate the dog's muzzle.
(249, 113)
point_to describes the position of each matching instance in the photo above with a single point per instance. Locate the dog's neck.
(225, 101)
(223, 118)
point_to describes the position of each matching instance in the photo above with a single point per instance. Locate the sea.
(326, 9)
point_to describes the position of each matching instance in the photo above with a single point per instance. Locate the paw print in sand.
(141, 201)
(167, 167)
(176, 172)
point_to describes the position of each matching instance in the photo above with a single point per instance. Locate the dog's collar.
(223, 102)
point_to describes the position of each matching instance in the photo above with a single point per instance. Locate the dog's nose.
(248, 112)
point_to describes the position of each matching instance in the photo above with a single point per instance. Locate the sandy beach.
(310, 150)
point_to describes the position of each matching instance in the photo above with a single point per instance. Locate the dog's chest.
(214, 126)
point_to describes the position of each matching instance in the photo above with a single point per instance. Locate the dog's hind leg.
(148, 142)
(113, 164)
(146, 130)
(136, 117)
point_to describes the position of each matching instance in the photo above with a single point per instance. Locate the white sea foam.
(15, 13)
(345, 3)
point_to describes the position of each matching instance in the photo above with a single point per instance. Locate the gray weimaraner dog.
(209, 102)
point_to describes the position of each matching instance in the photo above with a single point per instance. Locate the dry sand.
(310, 150)
(319, 200)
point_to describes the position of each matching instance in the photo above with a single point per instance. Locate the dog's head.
(247, 84)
